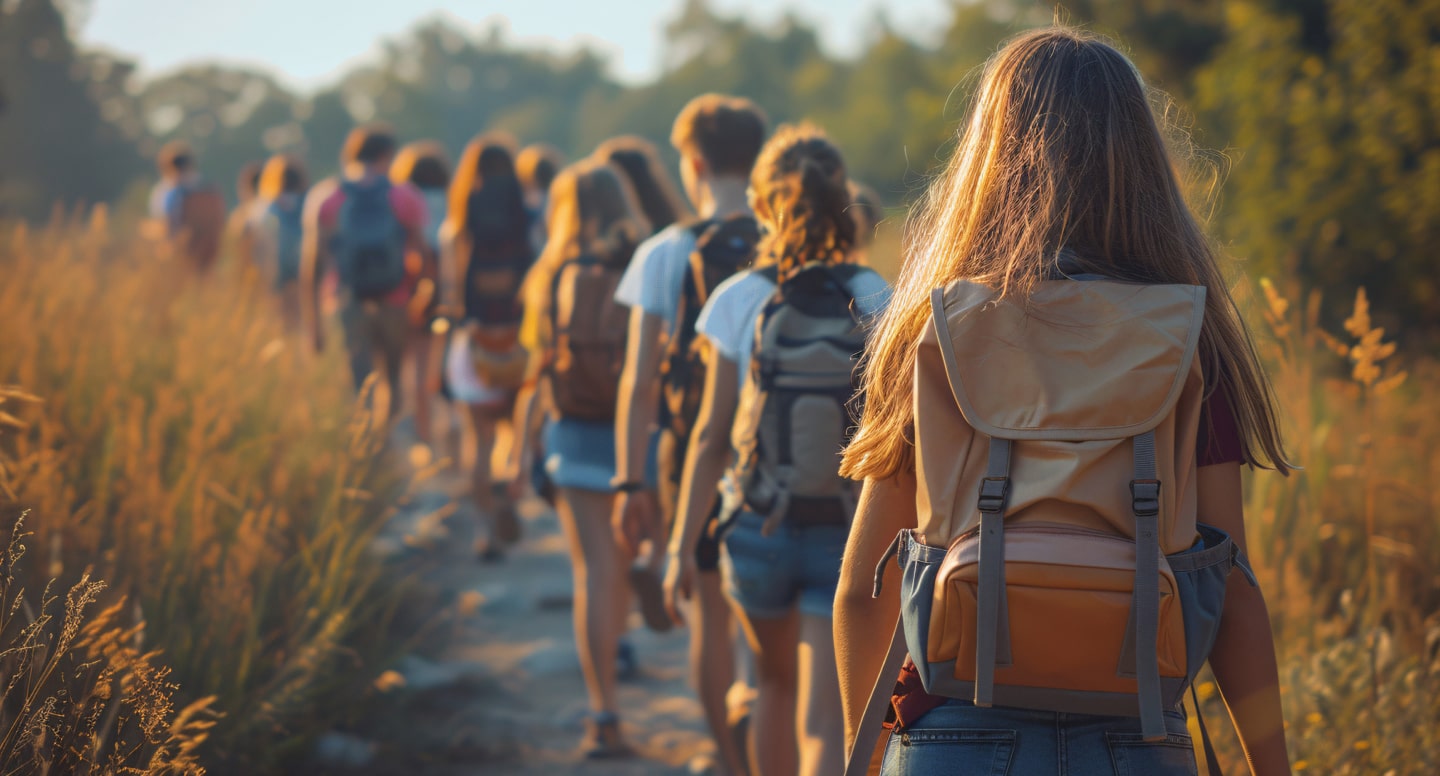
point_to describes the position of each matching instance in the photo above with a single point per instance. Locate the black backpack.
(500, 257)
(722, 248)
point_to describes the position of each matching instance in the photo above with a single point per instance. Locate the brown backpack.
(202, 223)
(590, 330)
(1058, 563)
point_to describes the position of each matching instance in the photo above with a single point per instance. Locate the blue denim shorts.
(959, 739)
(767, 575)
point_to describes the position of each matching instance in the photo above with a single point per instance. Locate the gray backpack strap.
(993, 621)
(1145, 603)
(872, 722)
(992, 627)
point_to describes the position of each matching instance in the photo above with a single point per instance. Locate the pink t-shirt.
(405, 199)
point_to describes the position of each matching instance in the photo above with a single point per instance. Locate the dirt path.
(500, 691)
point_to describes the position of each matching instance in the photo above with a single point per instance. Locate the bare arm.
(705, 461)
(1244, 656)
(314, 257)
(708, 454)
(639, 401)
(862, 622)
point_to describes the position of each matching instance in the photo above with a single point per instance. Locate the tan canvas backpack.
(1058, 563)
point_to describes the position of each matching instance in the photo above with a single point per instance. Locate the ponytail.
(802, 197)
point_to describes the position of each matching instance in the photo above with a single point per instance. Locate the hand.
(518, 483)
(679, 583)
(634, 519)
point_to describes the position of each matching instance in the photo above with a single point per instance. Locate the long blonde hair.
(592, 212)
(1062, 151)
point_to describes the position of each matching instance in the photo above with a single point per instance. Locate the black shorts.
(707, 551)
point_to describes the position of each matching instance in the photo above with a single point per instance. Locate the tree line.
(1321, 116)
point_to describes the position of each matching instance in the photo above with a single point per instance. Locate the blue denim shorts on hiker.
(580, 454)
(767, 575)
(959, 739)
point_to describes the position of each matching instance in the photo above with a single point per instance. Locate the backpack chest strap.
(1145, 603)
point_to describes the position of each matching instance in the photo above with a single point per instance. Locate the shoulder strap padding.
(1052, 367)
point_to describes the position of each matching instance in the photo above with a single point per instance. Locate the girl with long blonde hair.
(577, 332)
(1062, 171)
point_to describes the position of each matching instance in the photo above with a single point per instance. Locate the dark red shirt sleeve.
(1219, 439)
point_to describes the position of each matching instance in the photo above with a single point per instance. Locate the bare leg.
(820, 727)
(712, 665)
(419, 347)
(602, 596)
(773, 749)
(479, 443)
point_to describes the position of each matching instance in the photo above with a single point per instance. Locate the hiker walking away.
(638, 163)
(718, 138)
(425, 166)
(573, 321)
(1058, 400)
(185, 209)
(277, 233)
(537, 165)
(241, 223)
(774, 417)
(485, 255)
(364, 225)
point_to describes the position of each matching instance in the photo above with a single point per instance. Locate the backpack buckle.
(993, 492)
(1145, 497)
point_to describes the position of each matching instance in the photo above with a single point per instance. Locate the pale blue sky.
(309, 42)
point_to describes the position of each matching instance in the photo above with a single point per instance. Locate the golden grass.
(185, 450)
(1347, 549)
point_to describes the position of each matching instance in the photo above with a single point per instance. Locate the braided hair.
(801, 195)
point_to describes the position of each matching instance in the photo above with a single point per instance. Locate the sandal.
(650, 591)
(602, 738)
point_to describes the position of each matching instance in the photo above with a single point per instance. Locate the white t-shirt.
(728, 318)
(655, 278)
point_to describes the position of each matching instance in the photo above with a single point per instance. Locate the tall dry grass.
(186, 451)
(1348, 549)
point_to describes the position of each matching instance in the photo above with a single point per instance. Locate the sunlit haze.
(309, 42)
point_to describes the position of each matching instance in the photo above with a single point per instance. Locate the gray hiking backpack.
(793, 420)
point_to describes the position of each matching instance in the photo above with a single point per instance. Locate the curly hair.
(801, 195)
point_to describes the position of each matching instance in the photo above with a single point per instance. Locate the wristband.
(629, 486)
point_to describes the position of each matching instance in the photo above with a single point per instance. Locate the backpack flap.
(1070, 353)
(1054, 593)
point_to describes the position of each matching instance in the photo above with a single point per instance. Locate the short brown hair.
(369, 143)
(726, 132)
(537, 165)
(175, 157)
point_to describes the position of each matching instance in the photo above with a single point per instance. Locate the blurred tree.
(1334, 118)
(55, 143)
(230, 116)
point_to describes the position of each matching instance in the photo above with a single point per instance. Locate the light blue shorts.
(580, 454)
